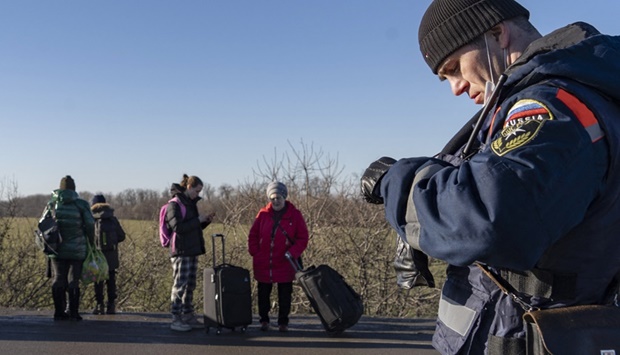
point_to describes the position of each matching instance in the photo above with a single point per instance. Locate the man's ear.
(501, 34)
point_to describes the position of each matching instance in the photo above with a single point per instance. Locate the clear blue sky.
(134, 93)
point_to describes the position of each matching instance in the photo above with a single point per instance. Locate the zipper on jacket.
(271, 246)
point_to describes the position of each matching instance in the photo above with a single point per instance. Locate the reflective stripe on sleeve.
(583, 114)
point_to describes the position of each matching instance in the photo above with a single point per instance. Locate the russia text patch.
(522, 124)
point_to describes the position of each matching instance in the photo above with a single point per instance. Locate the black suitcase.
(227, 294)
(335, 302)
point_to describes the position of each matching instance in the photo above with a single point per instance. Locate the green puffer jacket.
(76, 223)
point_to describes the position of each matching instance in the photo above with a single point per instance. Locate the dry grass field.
(361, 255)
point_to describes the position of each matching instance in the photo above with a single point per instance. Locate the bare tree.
(9, 208)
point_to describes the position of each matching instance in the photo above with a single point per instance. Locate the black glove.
(371, 178)
(411, 267)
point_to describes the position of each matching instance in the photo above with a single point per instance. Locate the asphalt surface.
(35, 332)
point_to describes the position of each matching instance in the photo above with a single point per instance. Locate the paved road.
(34, 332)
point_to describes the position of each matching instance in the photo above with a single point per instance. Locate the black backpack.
(47, 235)
(107, 234)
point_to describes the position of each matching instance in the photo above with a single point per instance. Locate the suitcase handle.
(218, 235)
(293, 262)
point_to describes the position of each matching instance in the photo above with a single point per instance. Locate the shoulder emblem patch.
(522, 124)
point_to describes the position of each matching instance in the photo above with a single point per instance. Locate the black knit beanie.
(98, 198)
(447, 25)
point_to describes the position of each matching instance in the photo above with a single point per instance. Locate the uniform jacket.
(103, 211)
(75, 223)
(268, 248)
(189, 240)
(538, 200)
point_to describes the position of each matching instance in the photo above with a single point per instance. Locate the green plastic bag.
(95, 266)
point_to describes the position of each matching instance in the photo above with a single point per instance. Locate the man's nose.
(458, 86)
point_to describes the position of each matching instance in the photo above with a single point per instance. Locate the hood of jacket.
(64, 196)
(178, 190)
(577, 52)
(102, 210)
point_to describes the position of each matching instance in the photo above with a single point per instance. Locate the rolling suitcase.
(338, 306)
(227, 294)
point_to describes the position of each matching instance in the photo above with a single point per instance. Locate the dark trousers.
(66, 273)
(285, 292)
(110, 284)
(66, 278)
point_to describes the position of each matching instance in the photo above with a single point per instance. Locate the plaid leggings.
(183, 285)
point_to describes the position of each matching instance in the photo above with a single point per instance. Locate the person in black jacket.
(187, 244)
(108, 233)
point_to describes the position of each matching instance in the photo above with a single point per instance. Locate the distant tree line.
(313, 179)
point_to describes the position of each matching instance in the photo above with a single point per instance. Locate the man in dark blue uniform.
(530, 187)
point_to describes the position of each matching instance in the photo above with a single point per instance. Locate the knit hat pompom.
(447, 25)
(277, 187)
(67, 183)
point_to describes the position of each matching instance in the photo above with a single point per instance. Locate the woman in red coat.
(279, 227)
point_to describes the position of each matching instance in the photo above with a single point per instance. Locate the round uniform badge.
(524, 121)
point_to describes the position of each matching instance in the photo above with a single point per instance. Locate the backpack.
(47, 235)
(165, 234)
(106, 236)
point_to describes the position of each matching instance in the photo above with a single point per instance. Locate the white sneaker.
(179, 325)
(191, 320)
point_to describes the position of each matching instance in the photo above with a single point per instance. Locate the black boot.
(111, 309)
(60, 299)
(98, 309)
(74, 304)
(64, 299)
(99, 298)
(111, 283)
